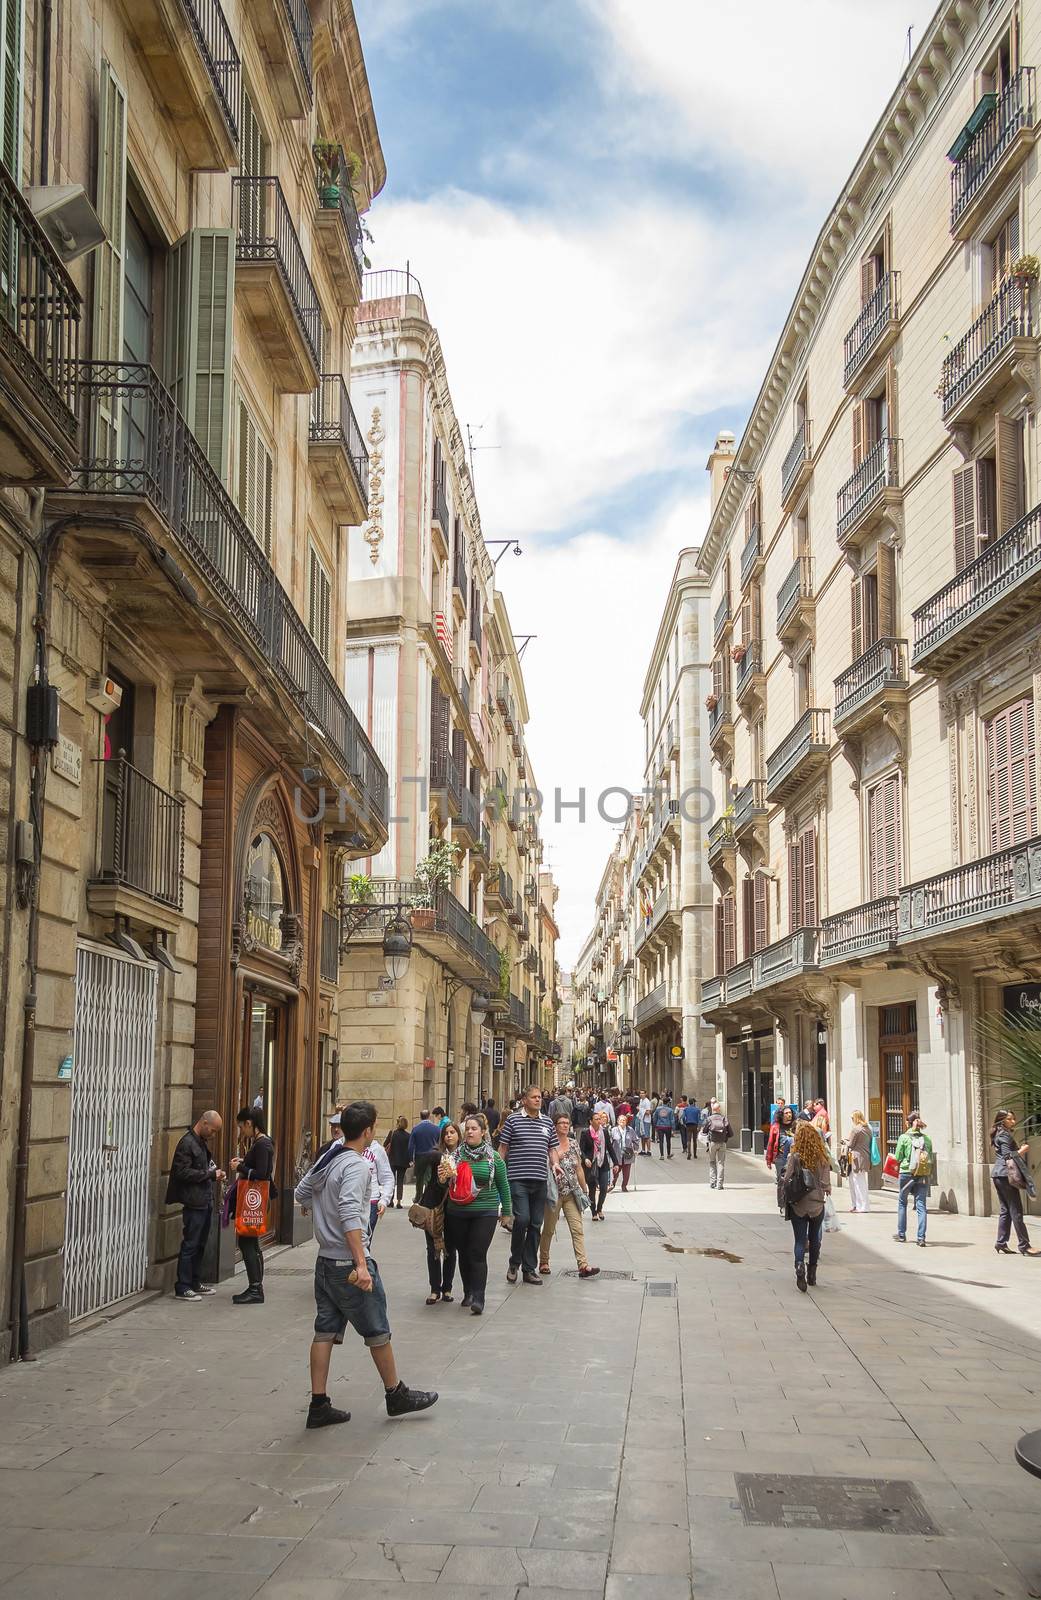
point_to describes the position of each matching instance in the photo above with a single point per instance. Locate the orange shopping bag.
(251, 1203)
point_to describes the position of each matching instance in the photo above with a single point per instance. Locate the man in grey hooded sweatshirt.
(347, 1285)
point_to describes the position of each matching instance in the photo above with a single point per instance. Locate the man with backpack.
(718, 1132)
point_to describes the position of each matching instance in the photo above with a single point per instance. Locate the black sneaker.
(477, 1308)
(533, 1277)
(325, 1414)
(811, 1277)
(401, 1401)
(466, 1301)
(203, 1288)
(511, 1274)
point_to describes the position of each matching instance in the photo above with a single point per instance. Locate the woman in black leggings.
(472, 1208)
(258, 1163)
(595, 1148)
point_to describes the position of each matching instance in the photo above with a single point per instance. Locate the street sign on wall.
(499, 1053)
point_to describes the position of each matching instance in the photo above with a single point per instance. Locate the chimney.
(718, 465)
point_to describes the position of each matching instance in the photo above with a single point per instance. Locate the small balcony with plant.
(339, 229)
(749, 673)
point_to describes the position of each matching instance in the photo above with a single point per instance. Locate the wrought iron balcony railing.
(1007, 569)
(1013, 110)
(751, 551)
(878, 314)
(804, 748)
(1007, 317)
(459, 577)
(879, 470)
(336, 193)
(333, 422)
(136, 443)
(797, 586)
(749, 805)
(872, 926)
(750, 665)
(266, 233)
(470, 815)
(974, 892)
(439, 507)
(446, 777)
(796, 459)
(475, 620)
(39, 305)
(720, 716)
(213, 37)
(722, 616)
(303, 36)
(142, 836)
(450, 918)
(883, 665)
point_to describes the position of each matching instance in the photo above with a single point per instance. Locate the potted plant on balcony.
(359, 889)
(327, 161)
(433, 875)
(504, 974)
(738, 652)
(711, 702)
(1025, 271)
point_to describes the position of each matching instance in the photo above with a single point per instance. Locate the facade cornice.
(686, 577)
(922, 90)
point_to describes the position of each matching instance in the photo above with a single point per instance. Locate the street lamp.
(480, 1005)
(397, 945)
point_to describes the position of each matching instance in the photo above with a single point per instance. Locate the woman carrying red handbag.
(1012, 1178)
(253, 1172)
(477, 1186)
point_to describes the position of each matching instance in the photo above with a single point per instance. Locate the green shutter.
(200, 304)
(12, 89)
(254, 480)
(108, 258)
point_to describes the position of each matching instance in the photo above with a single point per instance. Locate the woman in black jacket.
(1010, 1157)
(258, 1163)
(397, 1155)
(595, 1149)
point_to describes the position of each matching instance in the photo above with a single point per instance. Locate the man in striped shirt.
(527, 1143)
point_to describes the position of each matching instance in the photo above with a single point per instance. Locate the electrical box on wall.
(41, 715)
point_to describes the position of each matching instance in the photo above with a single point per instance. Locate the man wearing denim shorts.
(337, 1190)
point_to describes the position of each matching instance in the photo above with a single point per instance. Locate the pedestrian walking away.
(348, 1290)
(582, 1114)
(625, 1146)
(257, 1165)
(807, 1185)
(595, 1147)
(857, 1145)
(1012, 1179)
(914, 1153)
(422, 1144)
(477, 1186)
(718, 1133)
(397, 1154)
(664, 1123)
(778, 1148)
(193, 1178)
(492, 1114)
(690, 1123)
(568, 1196)
(528, 1143)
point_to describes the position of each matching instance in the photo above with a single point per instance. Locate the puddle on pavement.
(701, 1250)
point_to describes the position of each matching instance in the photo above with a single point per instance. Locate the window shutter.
(761, 910)
(254, 481)
(964, 516)
(886, 576)
(748, 916)
(795, 885)
(858, 434)
(1008, 462)
(884, 837)
(108, 258)
(717, 678)
(890, 429)
(868, 279)
(729, 931)
(721, 964)
(809, 878)
(319, 603)
(11, 66)
(746, 622)
(1011, 792)
(857, 617)
(200, 301)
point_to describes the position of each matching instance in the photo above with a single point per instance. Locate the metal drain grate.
(653, 1231)
(850, 1505)
(617, 1277)
(662, 1288)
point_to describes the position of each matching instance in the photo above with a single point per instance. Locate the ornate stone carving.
(192, 714)
(970, 763)
(955, 801)
(372, 532)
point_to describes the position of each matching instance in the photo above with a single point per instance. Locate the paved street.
(587, 1438)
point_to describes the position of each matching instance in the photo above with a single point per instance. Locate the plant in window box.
(738, 652)
(434, 874)
(711, 702)
(1025, 271)
(328, 156)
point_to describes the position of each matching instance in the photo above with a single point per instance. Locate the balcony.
(993, 144)
(504, 701)
(329, 960)
(520, 1017)
(721, 724)
(797, 465)
(531, 892)
(284, 30)
(655, 1007)
(752, 554)
(39, 337)
(786, 958)
(495, 889)
(712, 991)
(439, 514)
(337, 225)
(739, 981)
(460, 582)
(750, 674)
(475, 625)
(337, 452)
(870, 495)
(991, 594)
(987, 357)
(482, 845)
(722, 845)
(869, 929)
(148, 466)
(722, 619)
(750, 810)
(274, 283)
(869, 688)
(141, 848)
(468, 826)
(446, 779)
(444, 929)
(187, 50)
(874, 331)
(803, 755)
(980, 891)
(795, 601)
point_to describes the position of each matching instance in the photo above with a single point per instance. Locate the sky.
(609, 205)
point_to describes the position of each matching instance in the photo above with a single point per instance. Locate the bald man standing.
(193, 1172)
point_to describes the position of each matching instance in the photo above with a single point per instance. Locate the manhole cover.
(844, 1505)
(662, 1289)
(618, 1277)
(653, 1231)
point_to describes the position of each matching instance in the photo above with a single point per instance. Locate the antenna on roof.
(909, 33)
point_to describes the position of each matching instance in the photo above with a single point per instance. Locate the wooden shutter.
(858, 434)
(319, 598)
(748, 916)
(856, 597)
(761, 910)
(756, 598)
(721, 965)
(11, 88)
(795, 885)
(107, 327)
(746, 622)
(729, 931)
(1008, 467)
(868, 279)
(964, 480)
(717, 679)
(884, 836)
(885, 571)
(1005, 249)
(1011, 792)
(254, 480)
(200, 303)
(891, 429)
(808, 850)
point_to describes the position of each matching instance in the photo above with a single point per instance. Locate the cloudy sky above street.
(609, 204)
